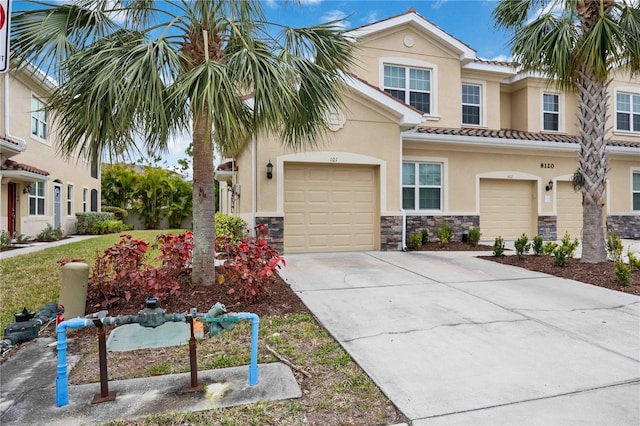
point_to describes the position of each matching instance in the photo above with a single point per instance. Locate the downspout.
(254, 180)
(404, 213)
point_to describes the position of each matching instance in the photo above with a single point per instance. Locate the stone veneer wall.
(459, 224)
(390, 233)
(548, 227)
(275, 236)
(628, 226)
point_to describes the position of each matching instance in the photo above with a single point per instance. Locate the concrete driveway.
(452, 339)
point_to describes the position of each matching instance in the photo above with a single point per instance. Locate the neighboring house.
(39, 186)
(430, 132)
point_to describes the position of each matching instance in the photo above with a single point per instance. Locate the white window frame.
(33, 194)
(634, 171)
(85, 197)
(37, 115)
(558, 113)
(414, 63)
(631, 93)
(482, 105)
(69, 204)
(416, 186)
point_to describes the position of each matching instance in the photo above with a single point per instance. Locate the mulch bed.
(454, 246)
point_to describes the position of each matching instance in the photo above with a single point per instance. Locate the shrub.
(549, 247)
(5, 239)
(119, 213)
(112, 227)
(21, 238)
(425, 236)
(231, 227)
(634, 262)
(614, 246)
(49, 234)
(568, 245)
(498, 247)
(89, 222)
(444, 232)
(622, 272)
(415, 241)
(522, 245)
(537, 245)
(250, 266)
(474, 236)
(560, 256)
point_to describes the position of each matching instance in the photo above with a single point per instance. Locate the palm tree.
(132, 70)
(578, 44)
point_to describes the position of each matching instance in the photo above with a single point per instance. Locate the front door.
(11, 209)
(57, 205)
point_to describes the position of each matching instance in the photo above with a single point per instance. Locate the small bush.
(634, 261)
(50, 234)
(622, 273)
(21, 238)
(522, 245)
(120, 213)
(415, 241)
(89, 222)
(614, 246)
(425, 236)
(474, 236)
(5, 239)
(549, 247)
(568, 245)
(498, 247)
(560, 256)
(111, 227)
(444, 232)
(230, 227)
(537, 245)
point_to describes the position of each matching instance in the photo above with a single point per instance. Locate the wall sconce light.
(549, 186)
(269, 170)
(27, 189)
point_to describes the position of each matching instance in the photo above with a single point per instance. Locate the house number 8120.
(547, 165)
(333, 159)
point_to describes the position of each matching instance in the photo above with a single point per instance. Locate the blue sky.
(467, 20)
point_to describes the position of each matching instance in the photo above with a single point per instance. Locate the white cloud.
(371, 16)
(436, 4)
(502, 58)
(271, 3)
(310, 2)
(336, 15)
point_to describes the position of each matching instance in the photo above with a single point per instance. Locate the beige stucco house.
(39, 186)
(430, 132)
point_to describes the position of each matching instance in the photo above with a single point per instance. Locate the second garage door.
(506, 208)
(330, 208)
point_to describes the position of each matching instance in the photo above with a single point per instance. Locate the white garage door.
(569, 209)
(507, 208)
(329, 207)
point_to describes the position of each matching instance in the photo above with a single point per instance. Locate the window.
(85, 198)
(628, 112)
(69, 200)
(636, 191)
(422, 186)
(471, 104)
(550, 112)
(410, 85)
(38, 118)
(36, 199)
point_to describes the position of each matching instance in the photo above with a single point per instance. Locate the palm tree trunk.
(592, 158)
(204, 201)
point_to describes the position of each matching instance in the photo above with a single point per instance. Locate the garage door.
(569, 209)
(507, 208)
(330, 208)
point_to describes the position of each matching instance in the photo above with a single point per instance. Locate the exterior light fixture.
(27, 189)
(269, 170)
(549, 186)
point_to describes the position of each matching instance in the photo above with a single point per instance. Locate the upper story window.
(410, 85)
(422, 186)
(628, 112)
(69, 200)
(38, 118)
(550, 112)
(36, 199)
(636, 191)
(471, 104)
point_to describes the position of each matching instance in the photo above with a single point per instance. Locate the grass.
(338, 391)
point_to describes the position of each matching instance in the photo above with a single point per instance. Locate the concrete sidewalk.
(452, 339)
